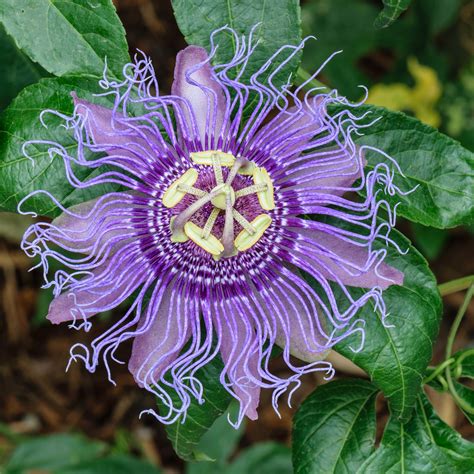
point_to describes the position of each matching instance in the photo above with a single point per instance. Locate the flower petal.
(105, 288)
(95, 222)
(301, 325)
(343, 261)
(239, 349)
(195, 82)
(334, 172)
(161, 336)
(289, 133)
(117, 135)
(293, 318)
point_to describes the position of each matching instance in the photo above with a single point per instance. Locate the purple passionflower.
(209, 234)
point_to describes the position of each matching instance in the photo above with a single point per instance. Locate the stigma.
(221, 196)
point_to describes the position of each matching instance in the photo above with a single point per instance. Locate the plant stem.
(457, 321)
(455, 285)
(449, 347)
(438, 369)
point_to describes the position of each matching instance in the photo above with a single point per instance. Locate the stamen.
(245, 240)
(255, 188)
(172, 196)
(228, 233)
(210, 223)
(177, 224)
(191, 190)
(222, 197)
(265, 197)
(243, 222)
(206, 157)
(247, 169)
(211, 244)
(216, 164)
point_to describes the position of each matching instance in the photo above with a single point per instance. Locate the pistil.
(177, 226)
(228, 234)
(223, 198)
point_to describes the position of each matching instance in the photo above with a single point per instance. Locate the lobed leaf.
(334, 432)
(16, 69)
(112, 464)
(396, 354)
(466, 394)
(217, 444)
(440, 168)
(42, 453)
(263, 458)
(334, 429)
(424, 444)
(429, 240)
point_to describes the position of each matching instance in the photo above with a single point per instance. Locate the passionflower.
(227, 226)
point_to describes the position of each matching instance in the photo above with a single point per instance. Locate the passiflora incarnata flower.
(208, 233)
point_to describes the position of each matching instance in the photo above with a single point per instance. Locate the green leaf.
(279, 25)
(457, 106)
(334, 429)
(19, 123)
(429, 240)
(263, 458)
(466, 394)
(396, 357)
(114, 464)
(326, 19)
(441, 168)
(16, 70)
(438, 15)
(217, 444)
(53, 452)
(391, 11)
(424, 444)
(67, 36)
(185, 437)
(334, 432)
(463, 367)
(222, 438)
(332, 22)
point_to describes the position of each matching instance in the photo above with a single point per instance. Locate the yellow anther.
(173, 195)
(248, 169)
(177, 236)
(245, 239)
(205, 157)
(211, 244)
(265, 197)
(220, 200)
(218, 257)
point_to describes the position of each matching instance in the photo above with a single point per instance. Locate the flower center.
(222, 196)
